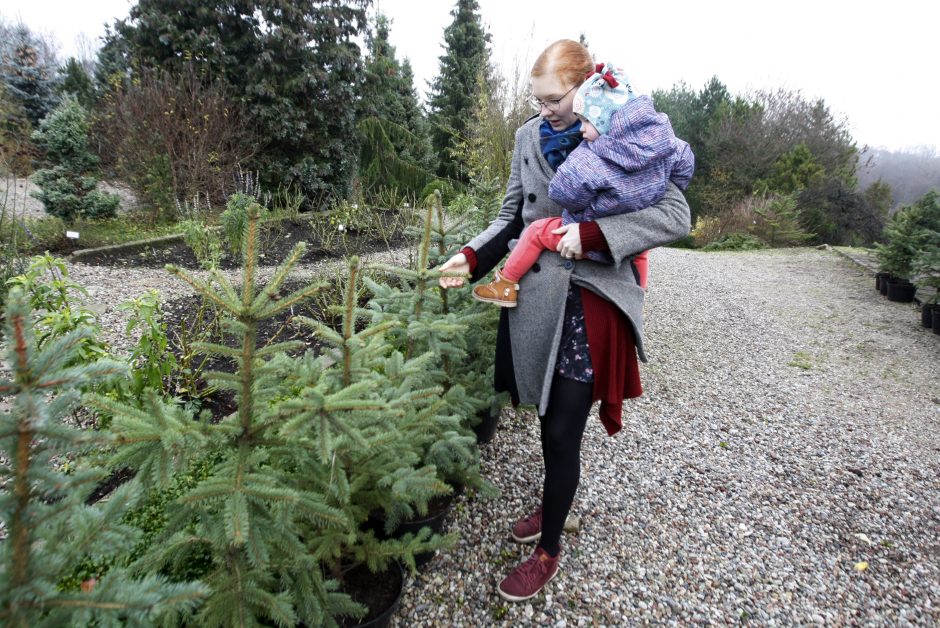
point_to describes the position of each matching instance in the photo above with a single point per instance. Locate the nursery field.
(781, 467)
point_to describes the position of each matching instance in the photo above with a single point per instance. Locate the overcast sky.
(876, 64)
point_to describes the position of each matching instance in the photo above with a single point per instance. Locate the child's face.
(588, 130)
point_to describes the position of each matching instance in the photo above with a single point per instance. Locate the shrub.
(67, 189)
(172, 136)
(51, 296)
(500, 108)
(446, 187)
(203, 241)
(735, 242)
(737, 217)
(234, 220)
(773, 220)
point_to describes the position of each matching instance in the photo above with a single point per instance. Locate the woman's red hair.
(568, 60)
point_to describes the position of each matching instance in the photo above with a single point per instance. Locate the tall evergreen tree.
(453, 92)
(295, 65)
(77, 84)
(28, 70)
(396, 139)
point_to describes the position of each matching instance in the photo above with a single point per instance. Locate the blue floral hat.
(605, 90)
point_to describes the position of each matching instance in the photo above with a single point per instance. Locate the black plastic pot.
(936, 320)
(879, 278)
(926, 314)
(883, 287)
(486, 428)
(366, 583)
(437, 513)
(901, 291)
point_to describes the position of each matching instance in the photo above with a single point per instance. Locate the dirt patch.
(275, 242)
(189, 320)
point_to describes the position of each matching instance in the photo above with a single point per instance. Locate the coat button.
(536, 268)
(531, 197)
(569, 265)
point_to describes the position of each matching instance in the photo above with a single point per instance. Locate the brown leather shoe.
(500, 291)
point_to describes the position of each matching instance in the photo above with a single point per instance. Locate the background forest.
(179, 98)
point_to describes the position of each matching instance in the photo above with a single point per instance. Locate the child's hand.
(570, 244)
(457, 264)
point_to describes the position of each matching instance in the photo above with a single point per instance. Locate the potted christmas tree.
(926, 269)
(907, 235)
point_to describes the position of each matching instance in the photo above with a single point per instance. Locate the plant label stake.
(71, 235)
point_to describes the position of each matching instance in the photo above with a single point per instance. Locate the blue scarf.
(556, 145)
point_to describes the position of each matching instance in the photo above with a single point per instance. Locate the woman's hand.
(570, 244)
(457, 264)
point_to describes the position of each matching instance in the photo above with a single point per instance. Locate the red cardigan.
(610, 338)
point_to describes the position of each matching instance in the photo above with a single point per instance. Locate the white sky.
(875, 64)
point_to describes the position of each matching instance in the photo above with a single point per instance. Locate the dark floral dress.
(574, 355)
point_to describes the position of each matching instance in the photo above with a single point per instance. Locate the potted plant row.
(909, 259)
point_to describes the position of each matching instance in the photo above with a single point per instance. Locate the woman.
(575, 336)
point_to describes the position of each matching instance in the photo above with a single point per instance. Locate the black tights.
(562, 428)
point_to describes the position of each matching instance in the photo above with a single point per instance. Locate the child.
(628, 155)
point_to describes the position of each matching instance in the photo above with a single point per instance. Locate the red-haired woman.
(574, 337)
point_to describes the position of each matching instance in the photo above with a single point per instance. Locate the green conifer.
(49, 527)
(254, 512)
(67, 187)
(429, 324)
(453, 93)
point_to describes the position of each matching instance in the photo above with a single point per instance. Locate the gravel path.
(788, 433)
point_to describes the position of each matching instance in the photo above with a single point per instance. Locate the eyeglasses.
(551, 104)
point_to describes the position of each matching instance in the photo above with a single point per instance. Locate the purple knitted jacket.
(625, 170)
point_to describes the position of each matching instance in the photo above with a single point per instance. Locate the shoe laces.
(533, 570)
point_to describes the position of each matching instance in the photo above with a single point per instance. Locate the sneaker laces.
(531, 571)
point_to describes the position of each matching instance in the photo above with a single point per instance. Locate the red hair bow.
(607, 76)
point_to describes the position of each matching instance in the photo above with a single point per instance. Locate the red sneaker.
(527, 579)
(528, 529)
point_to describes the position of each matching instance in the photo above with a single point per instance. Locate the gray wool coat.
(536, 323)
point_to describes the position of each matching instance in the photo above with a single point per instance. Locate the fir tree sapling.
(353, 399)
(427, 328)
(475, 373)
(253, 512)
(49, 527)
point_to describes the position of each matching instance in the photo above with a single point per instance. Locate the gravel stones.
(787, 409)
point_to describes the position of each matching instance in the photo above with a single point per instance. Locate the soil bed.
(376, 591)
(277, 239)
